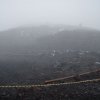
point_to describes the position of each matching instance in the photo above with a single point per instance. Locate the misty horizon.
(48, 12)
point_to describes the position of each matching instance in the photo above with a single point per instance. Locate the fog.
(14, 13)
(49, 49)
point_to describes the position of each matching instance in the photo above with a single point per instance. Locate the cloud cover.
(14, 13)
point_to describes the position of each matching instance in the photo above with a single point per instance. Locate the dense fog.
(49, 49)
(15, 13)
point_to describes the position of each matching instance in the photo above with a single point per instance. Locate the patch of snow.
(97, 63)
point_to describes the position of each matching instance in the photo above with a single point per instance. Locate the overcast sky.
(14, 13)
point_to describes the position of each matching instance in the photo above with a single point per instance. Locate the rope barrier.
(59, 79)
(55, 84)
(47, 85)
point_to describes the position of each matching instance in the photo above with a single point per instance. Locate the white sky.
(15, 13)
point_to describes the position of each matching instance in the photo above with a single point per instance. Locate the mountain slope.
(48, 38)
(74, 39)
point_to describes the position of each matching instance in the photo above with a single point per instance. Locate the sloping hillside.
(75, 39)
(82, 90)
(49, 38)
